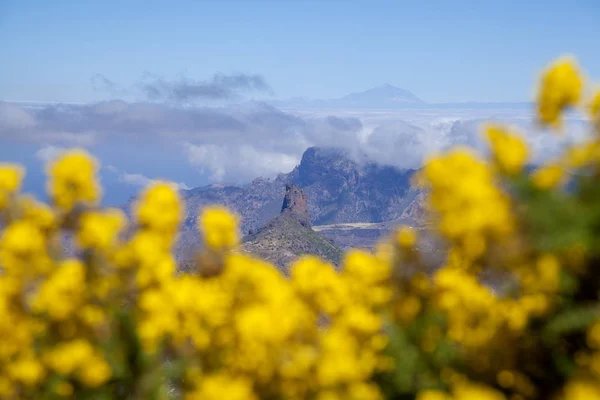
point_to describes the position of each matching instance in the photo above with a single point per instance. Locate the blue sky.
(160, 86)
(443, 51)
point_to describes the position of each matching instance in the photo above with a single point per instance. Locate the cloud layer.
(236, 143)
(138, 180)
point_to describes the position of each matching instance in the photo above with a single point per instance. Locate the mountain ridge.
(388, 96)
(338, 190)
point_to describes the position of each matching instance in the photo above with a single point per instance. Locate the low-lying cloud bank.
(236, 143)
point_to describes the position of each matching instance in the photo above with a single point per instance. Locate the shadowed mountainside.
(338, 190)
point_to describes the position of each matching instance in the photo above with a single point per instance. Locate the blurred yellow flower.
(582, 390)
(222, 386)
(581, 155)
(593, 336)
(548, 176)
(62, 294)
(475, 391)
(595, 105)
(218, 227)
(100, 230)
(23, 249)
(10, 182)
(27, 370)
(508, 149)
(37, 213)
(560, 87)
(159, 209)
(406, 237)
(433, 395)
(73, 180)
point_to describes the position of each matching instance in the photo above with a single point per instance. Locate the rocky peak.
(324, 164)
(295, 204)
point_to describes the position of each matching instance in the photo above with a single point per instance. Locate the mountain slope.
(290, 235)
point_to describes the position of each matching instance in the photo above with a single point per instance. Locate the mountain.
(391, 97)
(381, 97)
(290, 235)
(385, 96)
(338, 190)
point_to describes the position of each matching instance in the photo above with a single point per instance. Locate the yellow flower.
(23, 249)
(506, 378)
(27, 370)
(79, 357)
(560, 87)
(10, 182)
(471, 208)
(319, 283)
(37, 213)
(94, 371)
(62, 294)
(509, 150)
(364, 391)
(582, 390)
(222, 386)
(146, 248)
(406, 237)
(219, 228)
(582, 154)
(407, 308)
(73, 180)
(360, 319)
(365, 267)
(548, 275)
(159, 209)
(92, 315)
(593, 336)
(474, 391)
(99, 230)
(66, 357)
(433, 395)
(339, 362)
(548, 176)
(595, 105)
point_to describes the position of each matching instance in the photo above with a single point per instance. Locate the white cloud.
(244, 162)
(139, 179)
(48, 153)
(15, 117)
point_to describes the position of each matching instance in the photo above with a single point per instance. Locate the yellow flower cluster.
(508, 149)
(50, 319)
(72, 180)
(471, 208)
(245, 332)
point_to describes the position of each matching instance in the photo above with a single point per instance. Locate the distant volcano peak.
(383, 95)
